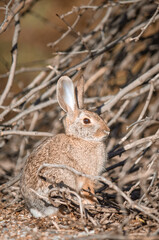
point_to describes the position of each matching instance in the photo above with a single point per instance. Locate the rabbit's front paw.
(87, 191)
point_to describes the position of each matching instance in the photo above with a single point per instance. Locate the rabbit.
(82, 147)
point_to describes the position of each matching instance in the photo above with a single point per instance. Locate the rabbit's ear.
(80, 92)
(66, 94)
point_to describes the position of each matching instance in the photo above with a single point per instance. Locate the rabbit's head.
(79, 122)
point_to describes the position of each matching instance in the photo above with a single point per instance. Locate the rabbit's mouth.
(104, 137)
(101, 136)
(106, 132)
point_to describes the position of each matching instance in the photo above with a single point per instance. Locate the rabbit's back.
(49, 151)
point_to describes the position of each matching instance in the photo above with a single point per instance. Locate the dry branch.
(10, 14)
(143, 209)
(14, 52)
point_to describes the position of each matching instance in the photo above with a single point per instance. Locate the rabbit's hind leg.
(39, 205)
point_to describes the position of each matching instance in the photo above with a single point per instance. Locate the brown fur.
(82, 147)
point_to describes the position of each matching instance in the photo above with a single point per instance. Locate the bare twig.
(139, 81)
(12, 13)
(10, 183)
(141, 114)
(109, 183)
(26, 133)
(143, 29)
(14, 59)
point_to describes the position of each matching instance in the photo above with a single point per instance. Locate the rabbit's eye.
(86, 121)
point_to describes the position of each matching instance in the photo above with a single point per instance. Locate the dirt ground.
(102, 221)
